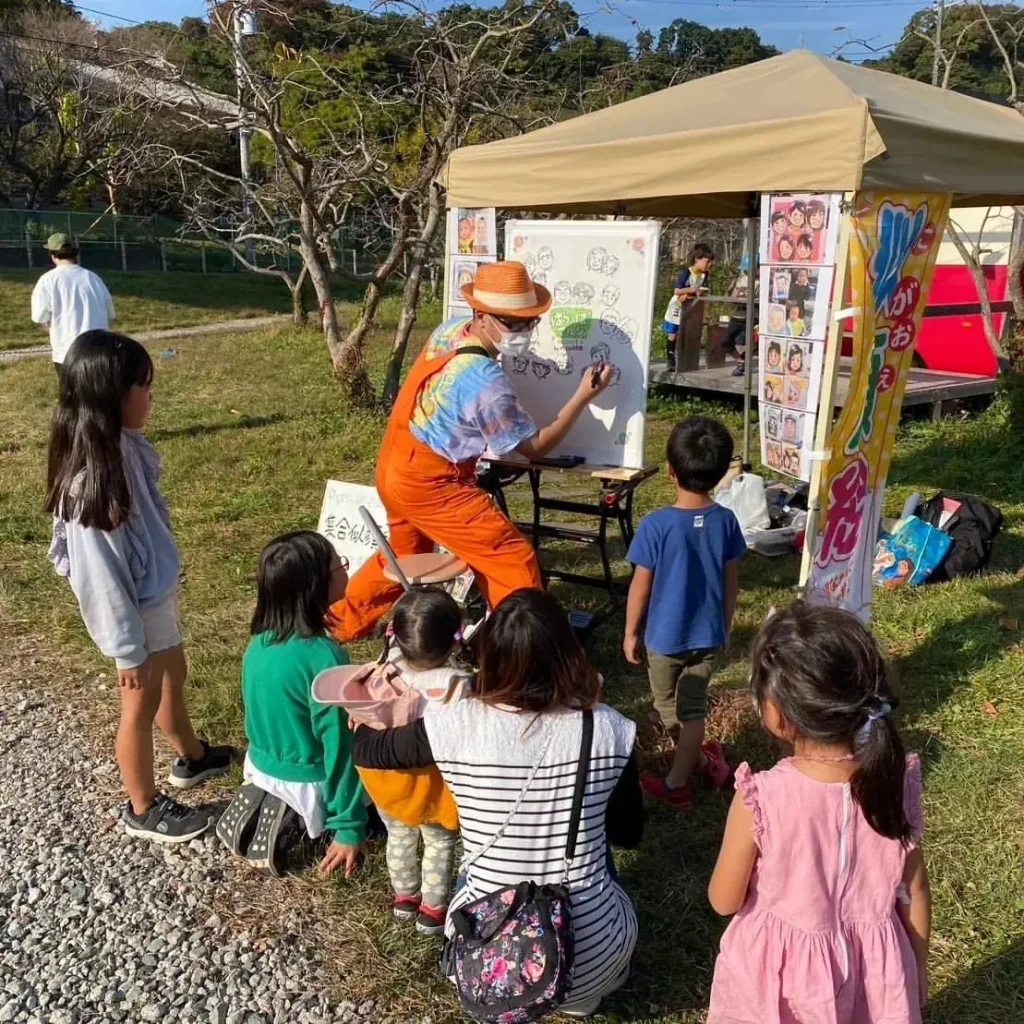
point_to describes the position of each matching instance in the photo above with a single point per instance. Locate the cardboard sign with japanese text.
(892, 255)
(341, 523)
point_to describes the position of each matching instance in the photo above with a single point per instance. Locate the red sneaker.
(716, 769)
(655, 785)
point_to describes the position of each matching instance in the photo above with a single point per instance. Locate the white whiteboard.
(602, 276)
(341, 523)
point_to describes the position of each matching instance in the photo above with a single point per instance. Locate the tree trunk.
(1015, 269)
(300, 315)
(360, 390)
(346, 358)
(411, 294)
(406, 322)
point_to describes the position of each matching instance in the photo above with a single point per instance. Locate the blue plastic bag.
(909, 554)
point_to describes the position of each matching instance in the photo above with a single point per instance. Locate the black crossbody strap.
(586, 744)
(474, 350)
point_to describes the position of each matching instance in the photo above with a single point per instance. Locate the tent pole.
(750, 246)
(826, 401)
(447, 260)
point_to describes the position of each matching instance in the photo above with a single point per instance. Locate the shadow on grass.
(202, 429)
(991, 993)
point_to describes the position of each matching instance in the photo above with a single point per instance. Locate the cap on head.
(505, 289)
(59, 240)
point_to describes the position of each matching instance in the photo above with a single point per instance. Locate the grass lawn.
(150, 301)
(249, 428)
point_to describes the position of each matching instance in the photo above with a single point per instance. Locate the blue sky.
(785, 23)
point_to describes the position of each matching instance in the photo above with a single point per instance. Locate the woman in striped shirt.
(534, 678)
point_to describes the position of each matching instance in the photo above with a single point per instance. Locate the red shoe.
(405, 908)
(715, 769)
(681, 798)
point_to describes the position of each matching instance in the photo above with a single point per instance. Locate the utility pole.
(937, 45)
(245, 26)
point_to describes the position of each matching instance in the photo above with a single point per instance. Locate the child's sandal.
(238, 822)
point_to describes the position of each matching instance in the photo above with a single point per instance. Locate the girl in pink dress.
(820, 861)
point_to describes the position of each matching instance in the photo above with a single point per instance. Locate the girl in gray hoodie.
(112, 540)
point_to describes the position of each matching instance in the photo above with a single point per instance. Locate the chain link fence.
(109, 241)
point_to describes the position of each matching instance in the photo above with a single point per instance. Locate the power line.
(108, 14)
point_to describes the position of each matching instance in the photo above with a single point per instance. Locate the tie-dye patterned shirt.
(470, 405)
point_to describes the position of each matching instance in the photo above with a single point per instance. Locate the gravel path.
(253, 323)
(95, 926)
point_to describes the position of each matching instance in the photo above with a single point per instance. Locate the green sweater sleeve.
(343, 792)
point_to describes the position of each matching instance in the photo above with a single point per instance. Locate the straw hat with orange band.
(505, 290)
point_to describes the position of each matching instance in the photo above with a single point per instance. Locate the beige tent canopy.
(798, 122)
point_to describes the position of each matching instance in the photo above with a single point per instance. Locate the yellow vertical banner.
(893, 245)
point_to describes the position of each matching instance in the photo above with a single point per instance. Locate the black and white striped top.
(485, 755)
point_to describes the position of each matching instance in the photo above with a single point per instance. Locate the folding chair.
(430, 568)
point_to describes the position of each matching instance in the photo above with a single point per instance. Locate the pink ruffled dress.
(818, 940)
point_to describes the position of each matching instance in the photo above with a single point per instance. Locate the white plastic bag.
(745, 496)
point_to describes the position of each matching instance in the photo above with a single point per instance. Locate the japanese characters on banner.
(798, 251)
(472, 240)
(892, 255)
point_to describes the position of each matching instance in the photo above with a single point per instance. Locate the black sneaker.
(166, 821)
(187, 772)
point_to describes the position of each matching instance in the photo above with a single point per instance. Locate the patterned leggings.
(434, 880)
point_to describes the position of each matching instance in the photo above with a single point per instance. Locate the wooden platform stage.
(925, 387)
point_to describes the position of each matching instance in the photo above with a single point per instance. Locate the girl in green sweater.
(299, 762)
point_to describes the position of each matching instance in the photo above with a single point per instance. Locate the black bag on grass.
(972, 527)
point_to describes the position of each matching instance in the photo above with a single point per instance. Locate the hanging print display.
(798, 241)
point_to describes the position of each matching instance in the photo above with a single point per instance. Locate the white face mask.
(511, 343)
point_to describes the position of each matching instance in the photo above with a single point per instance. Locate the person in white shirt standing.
(69, 299)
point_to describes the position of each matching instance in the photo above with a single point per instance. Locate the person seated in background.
(735, 344)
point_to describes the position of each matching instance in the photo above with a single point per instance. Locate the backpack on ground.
(971, 524)
(511, 957)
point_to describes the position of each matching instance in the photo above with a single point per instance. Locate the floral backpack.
(512, 954)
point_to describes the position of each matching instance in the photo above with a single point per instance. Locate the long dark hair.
(85, 477)
(530, 657)
(824, 671)
(293, 587)
(426, 625)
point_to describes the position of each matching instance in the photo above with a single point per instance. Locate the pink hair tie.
(458, 634)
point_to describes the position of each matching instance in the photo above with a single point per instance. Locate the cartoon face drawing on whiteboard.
(610, 295)
(600, 353)
(539, 278)
(609, 322)
(583, 293)
(540, 370)
(565, 368)
(545, 258)
(596, 258)
(530, 262)
(611, 265)
(616, 375)
(520, 364)
(561, 294)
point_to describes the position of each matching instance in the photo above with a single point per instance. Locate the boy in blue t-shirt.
(686, 559)
(691, 283)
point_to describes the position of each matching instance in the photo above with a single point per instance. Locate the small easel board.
(341, 523)
(602, 276)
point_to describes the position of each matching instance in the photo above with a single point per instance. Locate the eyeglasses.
(342, 565)
(526, 324)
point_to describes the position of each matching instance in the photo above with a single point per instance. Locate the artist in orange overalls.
(455, 403)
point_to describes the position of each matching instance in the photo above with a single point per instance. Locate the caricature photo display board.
(602, 276)
(798, 251)
(472, 240)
